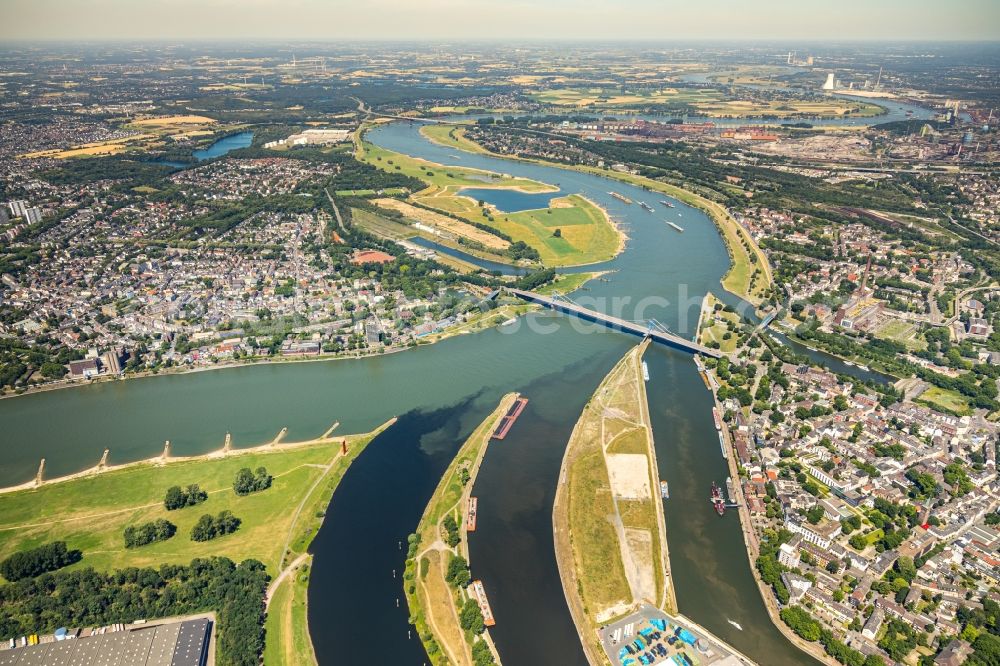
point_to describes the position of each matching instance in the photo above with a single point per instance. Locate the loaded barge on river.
(479, 593)
(508, 420)
(620, 197)
(470, 519)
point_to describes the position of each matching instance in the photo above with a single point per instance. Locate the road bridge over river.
(653, 329)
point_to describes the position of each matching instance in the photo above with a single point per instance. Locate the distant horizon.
(609, 21)
(995, 41)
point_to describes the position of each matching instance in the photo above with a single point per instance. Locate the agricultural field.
(111, 147)
(442, 223)
(614, 98)
(172, 122)
(705, 101)
(823, 108)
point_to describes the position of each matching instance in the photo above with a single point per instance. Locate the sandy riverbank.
(273, 446)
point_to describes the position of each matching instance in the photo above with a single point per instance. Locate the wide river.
(441, 392)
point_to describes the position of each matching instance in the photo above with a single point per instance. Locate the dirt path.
(280, 578)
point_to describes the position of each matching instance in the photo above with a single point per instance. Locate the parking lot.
(650, 637)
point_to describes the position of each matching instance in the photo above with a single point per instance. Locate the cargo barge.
(620, 197)
(470, 519)
(645, 371)
(484, 605)
(666, 203)
(508, 420)
(649, 209)
(722, 445)
(715, 415)
(676, 226)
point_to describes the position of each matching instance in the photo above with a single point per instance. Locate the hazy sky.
(504, 19)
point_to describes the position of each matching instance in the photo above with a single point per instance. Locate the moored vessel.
(717, 500)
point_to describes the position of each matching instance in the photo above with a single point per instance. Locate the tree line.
(86, 597)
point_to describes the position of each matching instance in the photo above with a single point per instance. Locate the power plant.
(830, 83)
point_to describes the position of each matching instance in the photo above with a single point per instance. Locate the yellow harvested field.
(167, 121)
(192, 133)
(443, 223)
(100, 148)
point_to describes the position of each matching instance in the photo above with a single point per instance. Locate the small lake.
(511, 201)
(224, 145)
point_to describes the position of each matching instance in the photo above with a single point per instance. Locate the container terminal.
(651, 636)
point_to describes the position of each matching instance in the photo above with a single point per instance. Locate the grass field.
(567, 283)
(586, 233)
(480, 321)
(90, 513)
(452, 136)
(951, 401)
(593, 501)
(717, 324)
(287, 626)
(903, 332)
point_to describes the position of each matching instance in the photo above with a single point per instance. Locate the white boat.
(645, 371)
(509, 321)
(735, 624)
(722, 445)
